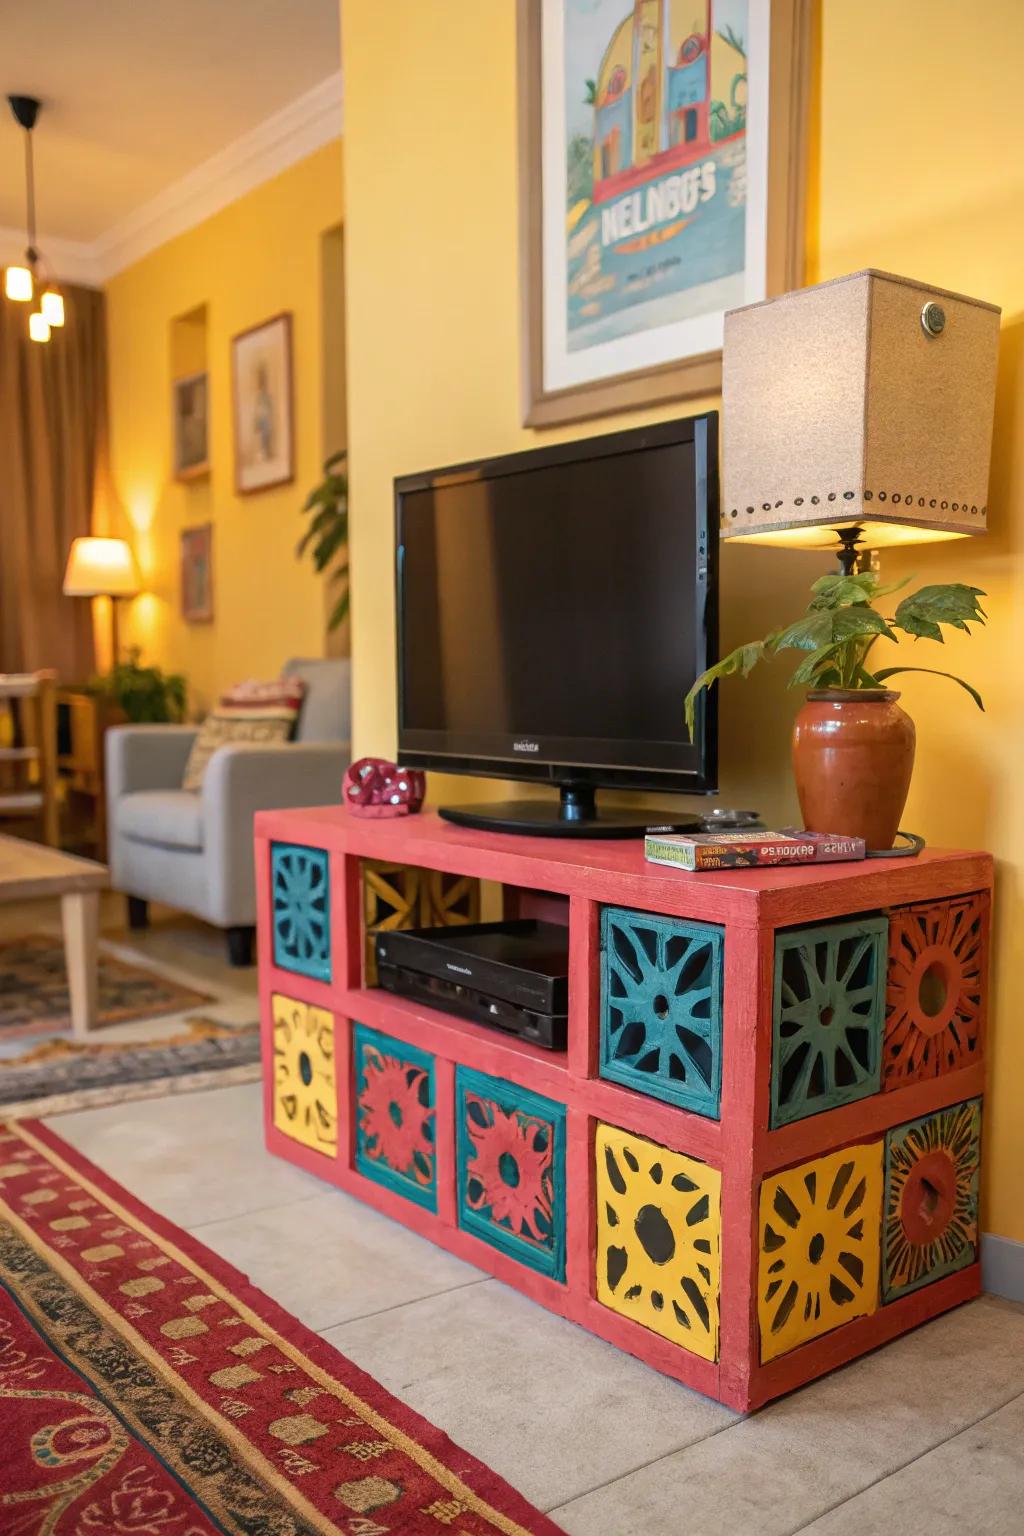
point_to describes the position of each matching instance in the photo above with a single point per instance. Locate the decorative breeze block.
(305, 1084)
(827, 1017)
(510, 1167)
(400, 896)
(449, 901)
(820, 1247)
(659, 1230)
(931, 1197)
(395, 1125)
(301, 902)
(661, 1007)
(935, 989)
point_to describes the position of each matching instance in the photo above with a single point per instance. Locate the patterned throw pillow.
(251, 711)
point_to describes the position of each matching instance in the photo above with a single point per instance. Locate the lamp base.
(847, 552)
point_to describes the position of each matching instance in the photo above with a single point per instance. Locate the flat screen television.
(554, 607)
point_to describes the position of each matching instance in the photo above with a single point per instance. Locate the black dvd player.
(510, 975)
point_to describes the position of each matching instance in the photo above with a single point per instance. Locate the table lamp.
(858, 411)
(102, 568)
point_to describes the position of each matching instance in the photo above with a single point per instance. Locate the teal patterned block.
(301, 907)
(661, 1008)
(395, 1129)
(827, 1016)
(510, 1166)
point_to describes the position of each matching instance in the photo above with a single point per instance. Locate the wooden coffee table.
(27, 871)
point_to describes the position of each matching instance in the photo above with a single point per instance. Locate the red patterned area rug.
(147, 1389)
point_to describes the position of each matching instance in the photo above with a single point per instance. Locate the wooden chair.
(28, 751)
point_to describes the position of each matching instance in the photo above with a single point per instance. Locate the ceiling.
(136, 93)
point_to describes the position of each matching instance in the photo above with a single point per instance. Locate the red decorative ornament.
(375, 787)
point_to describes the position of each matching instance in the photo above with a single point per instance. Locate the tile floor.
(924, 1437)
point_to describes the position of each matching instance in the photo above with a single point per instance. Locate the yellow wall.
(919, 178)
(433, 342)
(920, 163)
(257, 257)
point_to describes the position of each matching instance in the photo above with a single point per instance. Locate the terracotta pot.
(853, 754)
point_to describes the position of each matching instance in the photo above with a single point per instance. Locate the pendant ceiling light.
(24, 284)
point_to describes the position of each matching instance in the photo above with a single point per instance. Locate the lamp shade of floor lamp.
(858, 411)
(99, 567)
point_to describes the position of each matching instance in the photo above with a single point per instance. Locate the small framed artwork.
(189, 406)
(261, 375)
(197, 574)
(662, 184)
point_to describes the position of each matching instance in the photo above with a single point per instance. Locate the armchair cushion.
(262, 724)
(166, 818)
(326, 707)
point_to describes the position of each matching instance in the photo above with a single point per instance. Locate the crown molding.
(70, 261)
(309, 122)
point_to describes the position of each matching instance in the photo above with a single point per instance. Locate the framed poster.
(197, 574)
(662, 176)
(190, 411)
(261, 377)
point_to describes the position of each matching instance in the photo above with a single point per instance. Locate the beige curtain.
(53, 470)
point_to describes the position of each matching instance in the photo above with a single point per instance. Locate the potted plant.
(853, 746)
(144, 695)
(328, 530)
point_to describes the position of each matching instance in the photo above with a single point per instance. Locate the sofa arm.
(249, 777)
(146, 757)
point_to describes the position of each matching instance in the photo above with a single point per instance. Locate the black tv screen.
(554, 607)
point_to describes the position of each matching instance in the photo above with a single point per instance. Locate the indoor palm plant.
(328, 530)
(853, 747)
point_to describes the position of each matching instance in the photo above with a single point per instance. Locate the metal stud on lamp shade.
(863, 403)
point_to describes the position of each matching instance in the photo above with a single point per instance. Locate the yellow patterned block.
(659, 1228)
(449, 900)
(820, 1247)
(305, 1085)
(405, 896)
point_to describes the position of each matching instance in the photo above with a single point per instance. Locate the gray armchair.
(194, 849)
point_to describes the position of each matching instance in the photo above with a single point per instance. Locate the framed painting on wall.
(261, 377)
(662, 181)
(190, 410)
(197, 574)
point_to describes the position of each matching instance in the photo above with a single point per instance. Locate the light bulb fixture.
(51, 307)
(18, 284)
(21, 282)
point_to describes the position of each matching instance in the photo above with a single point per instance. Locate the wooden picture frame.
(190, 417)
(262, 405)
(197, 574)
(788, 26)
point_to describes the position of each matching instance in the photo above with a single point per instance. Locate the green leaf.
(888, 672)
(327, 547)
(810, 668)
(829, 626)
(739, 663)
(324, 519)
(954, 604)
(339, 610)
(836, 590)
(331, 493)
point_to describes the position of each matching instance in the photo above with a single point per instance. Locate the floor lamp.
(102, 568)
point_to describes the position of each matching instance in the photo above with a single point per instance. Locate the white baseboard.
(1002, 1266)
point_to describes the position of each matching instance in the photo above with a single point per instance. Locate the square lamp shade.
(866, 401)
(101, 568)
